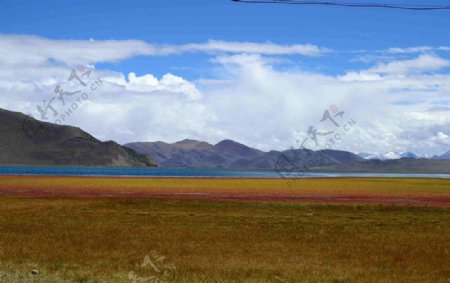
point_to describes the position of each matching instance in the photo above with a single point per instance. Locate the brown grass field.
(398, 191)
(73, 229)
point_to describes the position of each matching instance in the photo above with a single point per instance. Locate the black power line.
(347, 4)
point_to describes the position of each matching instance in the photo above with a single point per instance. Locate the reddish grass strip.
(390, 191)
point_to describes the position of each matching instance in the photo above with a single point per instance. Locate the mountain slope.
(231, 154)
(445, 156)
(298, 159)
(234, 149)
(26, 141)
(192, 153)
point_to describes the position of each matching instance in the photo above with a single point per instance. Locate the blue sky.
(389, 68)
(181, 21)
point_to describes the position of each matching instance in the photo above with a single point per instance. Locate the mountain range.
(26, 141)
(192, 153)
(445, 156)
(230, 154)
(387, 155)
(390, 155)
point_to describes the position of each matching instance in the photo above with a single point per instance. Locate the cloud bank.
(398, 105)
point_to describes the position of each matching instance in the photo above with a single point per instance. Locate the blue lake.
(165, 172)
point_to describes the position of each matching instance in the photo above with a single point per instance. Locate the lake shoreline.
(200, 173)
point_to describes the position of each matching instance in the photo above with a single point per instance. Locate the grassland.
(387, 185)
(106, 238)
(410, 191)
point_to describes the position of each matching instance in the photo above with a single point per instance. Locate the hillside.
(26, 141)
(445, 156)
(231, 154)
(192, 153)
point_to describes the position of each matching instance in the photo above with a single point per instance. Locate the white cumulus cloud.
(249, 99)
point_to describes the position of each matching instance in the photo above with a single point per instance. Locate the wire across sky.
(356, 4)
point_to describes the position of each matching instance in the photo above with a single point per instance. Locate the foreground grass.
(103, 240)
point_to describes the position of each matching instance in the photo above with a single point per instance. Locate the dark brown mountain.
(234, 149)
(26, 141)
(231, 154)
(192, 153)
(298, 159)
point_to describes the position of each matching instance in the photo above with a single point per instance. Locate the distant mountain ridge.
(445, 156)
(26, 141)
(234, 155)
(231, 154)
(398, 155)
(388, 155)
(192, 153)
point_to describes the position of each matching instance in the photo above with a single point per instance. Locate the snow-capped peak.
(388, 155)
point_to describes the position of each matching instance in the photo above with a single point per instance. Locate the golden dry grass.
(103, 240)
(276, 186)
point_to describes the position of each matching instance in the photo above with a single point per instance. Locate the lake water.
(165, 172)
